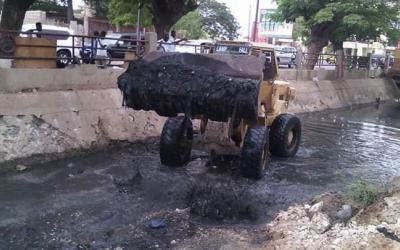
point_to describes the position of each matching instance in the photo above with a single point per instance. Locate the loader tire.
(254, 152)
(176, 141)
(285, 135)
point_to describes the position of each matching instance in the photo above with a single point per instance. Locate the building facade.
(270, 31)
(273, 32)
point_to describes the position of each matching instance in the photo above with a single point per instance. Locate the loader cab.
(271, 65)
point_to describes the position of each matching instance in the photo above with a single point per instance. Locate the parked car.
(286, 56)
(379, 61)
(63, 35)
(118, 43)
(191, 46)
(330, 59)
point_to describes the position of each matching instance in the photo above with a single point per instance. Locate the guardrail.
(74, 49)
(79, 49)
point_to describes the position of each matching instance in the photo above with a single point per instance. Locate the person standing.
(101, 55)
(169, 42)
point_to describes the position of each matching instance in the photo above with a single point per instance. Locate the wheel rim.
(64, 58)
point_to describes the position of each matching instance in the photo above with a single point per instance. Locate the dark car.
(379, 61)
(119, 43)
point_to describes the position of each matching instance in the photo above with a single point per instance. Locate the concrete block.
(80, 77)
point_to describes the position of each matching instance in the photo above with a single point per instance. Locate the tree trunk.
(338, 48)
(70, 11)
(161, 28)
(13, 13)
(167, 12)
(319, 39)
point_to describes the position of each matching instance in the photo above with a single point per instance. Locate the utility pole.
(138, 37)
(249, 31)
(256, 21)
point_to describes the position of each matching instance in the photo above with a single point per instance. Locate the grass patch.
(362, 192)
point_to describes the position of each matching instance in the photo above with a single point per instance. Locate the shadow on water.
(106, 199)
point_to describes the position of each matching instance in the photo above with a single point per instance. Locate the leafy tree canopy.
(336, 21)
(217, 20)
(192, 23)
(124, 12)
(211, 18)
(161, 14)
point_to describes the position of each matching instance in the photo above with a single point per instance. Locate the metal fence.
(78, 49)
(73, 49)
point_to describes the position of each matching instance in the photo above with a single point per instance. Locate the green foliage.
(342, 19)
(301, 31)
(211, 19)
(192, 24)
(361, 192)
(218, 19)
(124, 12)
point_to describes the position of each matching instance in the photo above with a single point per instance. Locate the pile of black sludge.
(170, 87)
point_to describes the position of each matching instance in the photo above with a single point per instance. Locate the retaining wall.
(54, 111)
(321, 95)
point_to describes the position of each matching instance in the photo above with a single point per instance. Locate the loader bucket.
(211, 85)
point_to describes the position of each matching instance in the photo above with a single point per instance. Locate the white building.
(272, 32)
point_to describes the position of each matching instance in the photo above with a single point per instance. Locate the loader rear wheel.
(254, 152)
(285, 135)
(176, 141)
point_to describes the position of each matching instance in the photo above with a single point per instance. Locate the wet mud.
(108, 199)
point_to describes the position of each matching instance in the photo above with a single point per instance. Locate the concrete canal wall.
(55, 111)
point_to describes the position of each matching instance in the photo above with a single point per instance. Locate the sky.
(240, 9)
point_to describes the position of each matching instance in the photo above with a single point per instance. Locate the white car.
(286, 56)
(62, 35)
(188, 46)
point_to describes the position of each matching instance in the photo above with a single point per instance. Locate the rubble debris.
(158, 223)
(345, 213)
(21, 168)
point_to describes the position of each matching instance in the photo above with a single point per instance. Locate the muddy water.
(344, 146)
(107, 199)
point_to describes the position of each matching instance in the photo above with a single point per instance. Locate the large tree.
(192, 24)
(335, 21)
(162, 13)
(13, 13)
(212, 18)
(218, 19)
(125, 13)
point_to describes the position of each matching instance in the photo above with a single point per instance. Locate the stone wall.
(321, 95)
(60, 121)
(54, 111)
